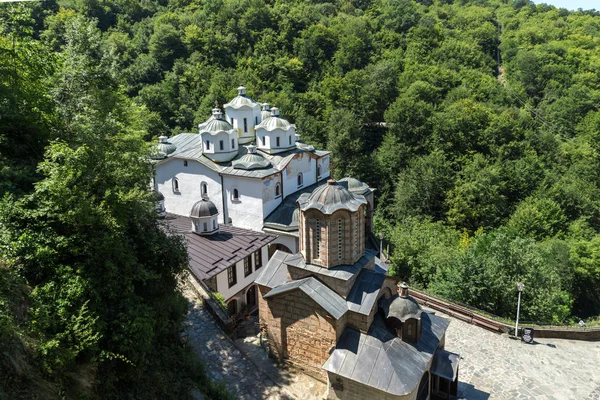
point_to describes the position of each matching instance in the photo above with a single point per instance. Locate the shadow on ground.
(468, 392)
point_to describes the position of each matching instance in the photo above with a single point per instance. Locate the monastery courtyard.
(492, 366)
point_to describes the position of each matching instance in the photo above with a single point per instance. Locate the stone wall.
(299, 330)
(346, 389)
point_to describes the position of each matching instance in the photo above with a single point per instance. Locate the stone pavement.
(225, 363)
(492, 366)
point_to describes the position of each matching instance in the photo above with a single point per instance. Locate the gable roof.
(383, 361)
(331, 302)
(209, 255)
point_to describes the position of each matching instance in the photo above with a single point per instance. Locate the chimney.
(403, 290)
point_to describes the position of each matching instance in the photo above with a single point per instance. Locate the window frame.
(185, 163)
(235, 195)
(277, 190)
(221, 145)
(258, 259)
(247, 266)
(232, 276)
(175, 183)
(277, 142)
(300, 179)
(245, 125)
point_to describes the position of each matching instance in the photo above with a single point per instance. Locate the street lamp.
(381, 246)
(520, 287)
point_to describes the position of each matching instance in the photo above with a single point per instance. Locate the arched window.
(203, 189)
(277, 189)
(290, 139)
(300, 179)
(233, 143)
(175, 185)
(205, 226)
(236, 194)
(277, 141)
(207, 145)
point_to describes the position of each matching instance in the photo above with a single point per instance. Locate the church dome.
(274, 121)
(402, 308)
(355, 186)
(251, 161)
(330, 198)
(241, 100)
(216, 123)
(266, 111)
(204, 208)
(164, 147)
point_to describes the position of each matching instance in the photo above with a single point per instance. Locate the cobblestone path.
(496, 367)
(223, 360)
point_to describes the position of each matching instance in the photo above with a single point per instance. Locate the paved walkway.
(492, 366)
(496, 367)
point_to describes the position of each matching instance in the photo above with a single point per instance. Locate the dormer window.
(277, 189)
(207, 145)
(300, 179)
(175, 185)
(277, 142)
(263, 140)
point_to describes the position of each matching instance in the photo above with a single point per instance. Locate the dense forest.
(477, 121)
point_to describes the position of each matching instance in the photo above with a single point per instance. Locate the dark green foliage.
(477, 122)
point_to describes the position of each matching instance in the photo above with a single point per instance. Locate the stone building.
(331, 310)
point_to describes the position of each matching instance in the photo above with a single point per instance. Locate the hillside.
(477, 121)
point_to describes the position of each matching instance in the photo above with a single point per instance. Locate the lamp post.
(520, 287)
(381, 246)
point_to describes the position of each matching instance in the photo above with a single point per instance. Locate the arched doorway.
(251, 298)
(278, 246)
(232, 307)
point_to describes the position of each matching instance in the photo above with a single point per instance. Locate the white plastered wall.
(251, 115)
(247, 212)
(190, 179)
(242, 281)
(270, 201)
(301, 163)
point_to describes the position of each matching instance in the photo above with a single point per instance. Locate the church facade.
(247, 159)
(331, 310)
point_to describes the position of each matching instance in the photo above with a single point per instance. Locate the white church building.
(249, 162)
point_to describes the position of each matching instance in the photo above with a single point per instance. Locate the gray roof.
(365, 291)
(285, 216)
(204, 208)
(255, 173)
(251, 161)
(210, 255)
(275, 122)
(332, 302)
(341, 272)
(356, 186)
(401, 308)
(275, 272)
(241, 101)
(215, 125)
(383, 361)
(331, 197)
(445, 365)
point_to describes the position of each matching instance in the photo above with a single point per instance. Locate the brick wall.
(299, 330)
(346, 389)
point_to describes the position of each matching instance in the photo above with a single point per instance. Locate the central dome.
(330, 198)
(402, 308)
